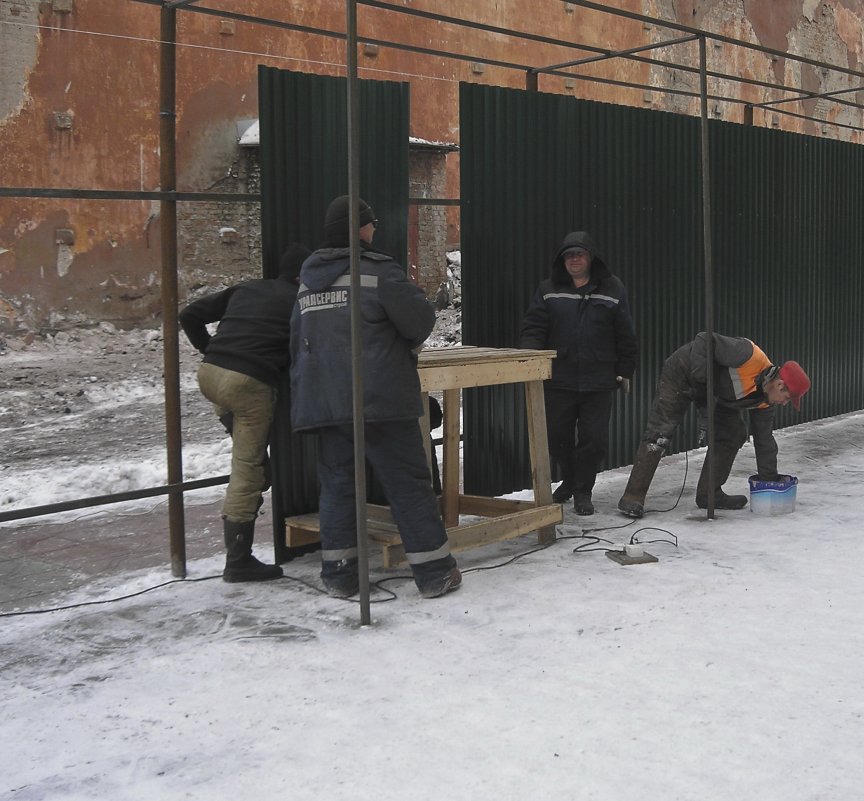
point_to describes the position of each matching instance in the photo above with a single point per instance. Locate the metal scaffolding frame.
(168, 196)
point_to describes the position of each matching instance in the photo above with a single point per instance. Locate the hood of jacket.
(323, 267)
(579, 239)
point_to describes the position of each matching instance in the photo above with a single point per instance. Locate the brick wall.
(427, 234)
(220, 243)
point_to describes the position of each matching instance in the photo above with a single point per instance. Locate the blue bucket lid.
(782, 483)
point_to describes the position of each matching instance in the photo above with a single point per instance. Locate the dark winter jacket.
(741, 369)
(254, 327)
(396, 318)
(590, 327)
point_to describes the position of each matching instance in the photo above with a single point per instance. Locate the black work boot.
(441, 586)
(724, 456)
(240, 565)
(582, 502)
(648, 455)
(722, 501)
(340, 578)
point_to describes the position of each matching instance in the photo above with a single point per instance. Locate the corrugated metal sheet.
(304, 158)
(788, 245)
(304, 165)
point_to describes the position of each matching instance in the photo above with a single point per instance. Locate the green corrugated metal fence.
(788, 245)
(304, 165)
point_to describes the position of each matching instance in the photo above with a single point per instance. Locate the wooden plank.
(451, 468)
(484, 374)
(473, 535)
(295, 537)
(468, 353)
(304, 522)
(505, 527)
(538, 444)
(491, 507)
(393, 555)
(425, 433)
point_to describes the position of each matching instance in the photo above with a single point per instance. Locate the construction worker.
(744, 378)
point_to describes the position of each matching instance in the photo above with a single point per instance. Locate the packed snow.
(729, 669)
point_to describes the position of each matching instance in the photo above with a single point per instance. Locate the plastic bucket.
(773, 497)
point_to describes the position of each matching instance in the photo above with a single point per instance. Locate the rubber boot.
(240, 565)
(564, 492)
(648, 455)
(724, 456)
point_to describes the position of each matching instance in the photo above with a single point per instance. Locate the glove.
(623, 383)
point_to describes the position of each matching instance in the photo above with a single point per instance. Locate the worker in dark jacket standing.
(582, 312)
(744, 379)
(396, 319)
(239, 375)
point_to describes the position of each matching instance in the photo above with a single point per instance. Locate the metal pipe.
(709, 265)
(356, 336)
(617, 53)
(120, 194)
(170, 302)
(814, 96)
(104, 500)
(717, 37)
(442, 18)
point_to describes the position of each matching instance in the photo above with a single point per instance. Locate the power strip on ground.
(631, 554)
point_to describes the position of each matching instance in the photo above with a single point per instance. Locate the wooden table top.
(469, 366)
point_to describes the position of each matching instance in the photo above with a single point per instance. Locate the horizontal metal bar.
(434, 201)
(717, 37)
(813, 96)
(111, 194)
(617, 54)
(537, 38)
(817, 119)
(119, 497)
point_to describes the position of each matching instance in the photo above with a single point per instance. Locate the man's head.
(292, 260)
(336, 232)
(577, 260)
(577, 263)
(788, 383)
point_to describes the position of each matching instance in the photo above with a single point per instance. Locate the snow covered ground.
(728, 670)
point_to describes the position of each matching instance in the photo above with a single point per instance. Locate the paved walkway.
(40, 561)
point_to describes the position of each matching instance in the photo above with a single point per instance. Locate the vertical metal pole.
(709, 265)
(531, 83)
(748, 115)
(168, 224)
(356, 338)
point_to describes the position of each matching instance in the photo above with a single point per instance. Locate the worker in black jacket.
(242, 364)
(581, 311)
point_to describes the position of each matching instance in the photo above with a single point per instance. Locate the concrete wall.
(79, 109)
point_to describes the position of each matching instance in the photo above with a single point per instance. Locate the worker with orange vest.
(744, 379)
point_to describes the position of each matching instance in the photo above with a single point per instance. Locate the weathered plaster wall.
(79, 109)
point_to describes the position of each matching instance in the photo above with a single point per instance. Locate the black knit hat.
(336, 220)
(292, 260)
